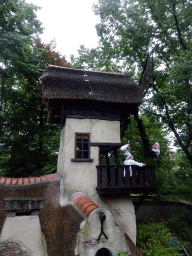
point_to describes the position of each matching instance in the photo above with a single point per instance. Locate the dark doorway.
(103, 252)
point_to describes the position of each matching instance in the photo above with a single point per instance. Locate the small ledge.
(14, 204)
(100, 144)
(81, 160)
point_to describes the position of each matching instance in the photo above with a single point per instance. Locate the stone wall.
(9, 248)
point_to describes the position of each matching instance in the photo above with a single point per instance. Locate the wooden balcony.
(113, 179)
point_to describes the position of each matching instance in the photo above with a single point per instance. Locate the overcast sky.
(70, 22)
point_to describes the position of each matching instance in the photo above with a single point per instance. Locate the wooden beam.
(142, 198)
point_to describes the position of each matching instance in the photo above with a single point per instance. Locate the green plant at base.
(120, 254)
(182, 227)
(153, 239)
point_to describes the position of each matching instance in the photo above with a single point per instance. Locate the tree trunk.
(145, 140)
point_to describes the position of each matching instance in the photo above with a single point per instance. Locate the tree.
(46, 54)
(180, 178)
(18, 24)
(130, 29)
(95, 60)
(28, 144)
(155, 133)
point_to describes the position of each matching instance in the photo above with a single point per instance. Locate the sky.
(70, 22)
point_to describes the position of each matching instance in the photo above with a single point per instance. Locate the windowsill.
(81, 160)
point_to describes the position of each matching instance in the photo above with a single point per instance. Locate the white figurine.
(129, 159)
(156, 149)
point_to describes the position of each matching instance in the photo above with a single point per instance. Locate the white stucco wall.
(105, 131)
(82, 176)
(26, 231)
(90, 229)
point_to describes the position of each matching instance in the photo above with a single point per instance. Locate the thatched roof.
(68, 83)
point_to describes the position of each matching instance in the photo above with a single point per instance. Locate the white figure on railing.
(156, 149)
(129, 159)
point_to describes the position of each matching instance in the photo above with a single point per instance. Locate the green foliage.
(153, 239)
(120, 254)
(29, 145)
(18, 24)
(128, 31)
(133, 28)
(182, 226)
(155, 133)
(180, 178)
(94, 60)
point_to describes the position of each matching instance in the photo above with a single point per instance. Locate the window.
(82, 148)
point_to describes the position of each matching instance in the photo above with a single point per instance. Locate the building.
(84, 209)
(91, 106)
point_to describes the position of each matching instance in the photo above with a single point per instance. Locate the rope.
(87, 80)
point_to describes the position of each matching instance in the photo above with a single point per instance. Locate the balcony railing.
(113, 179)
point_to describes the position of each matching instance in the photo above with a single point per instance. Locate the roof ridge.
(87, 70)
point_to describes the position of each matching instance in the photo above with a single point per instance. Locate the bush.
(182, 227)
(153, 239)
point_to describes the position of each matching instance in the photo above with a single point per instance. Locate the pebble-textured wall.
(8, 248)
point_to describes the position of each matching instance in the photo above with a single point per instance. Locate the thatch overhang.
(88, 94)
(67, 83)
